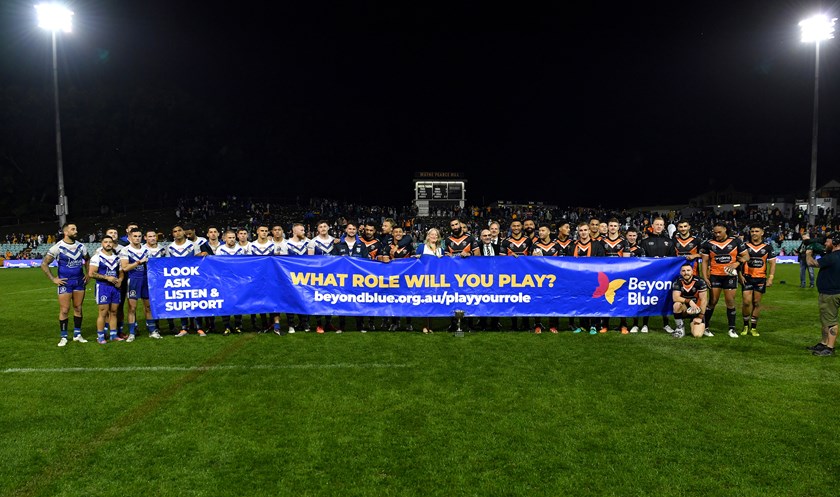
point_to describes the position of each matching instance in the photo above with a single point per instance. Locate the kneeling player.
(690, 300)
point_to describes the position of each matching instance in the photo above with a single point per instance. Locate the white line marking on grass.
(203, 368)
(46, 288)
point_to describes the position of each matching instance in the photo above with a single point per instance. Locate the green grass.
(408, 414)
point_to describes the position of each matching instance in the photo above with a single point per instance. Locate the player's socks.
(152, 325)
(113, 334)
(679, 323)
(132, 328)
(100, 335)
(107, 327)
(730, 317)
(119, 326)
(746, 322)
(753, 323)
(62, 325)
(708, 317)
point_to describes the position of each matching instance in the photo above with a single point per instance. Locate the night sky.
(617, 106)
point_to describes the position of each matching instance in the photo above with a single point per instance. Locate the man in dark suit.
(486, 247)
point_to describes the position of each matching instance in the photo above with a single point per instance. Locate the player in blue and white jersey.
(265, 246)
(200, 241)
(152, 246)
(120, 313)
(322, 244)
(278, 236)
(133, 259)
(72, 259)
(105, 269)
(242, 240)
(231, 248)
(182, 247)
(298, 245)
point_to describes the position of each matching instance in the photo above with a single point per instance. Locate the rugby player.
(181, 246)
(399, 250)
(323, 244)
(133, 259)
(298, 245)
(721, 257)
(120, 313)
(634, 250)
(72, 259)
(227, 249)
(690, 299)
(104, 267)
(264, 246)
(585, 246)
(545, 247)
(517, 244)
(755, 276)
(529, 227)
(687, 245)
(351, 246)
(614, 246)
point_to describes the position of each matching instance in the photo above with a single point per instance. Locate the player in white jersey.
(213, 242)
(105, 269)
(182, 247)
(265, 246)
(298, 245)
(152, 246)
(231, 248)
(242, 240)
(279, 238)
(322, 244)
(189, 234)
(72, 259)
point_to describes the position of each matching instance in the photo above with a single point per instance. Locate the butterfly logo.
(607, 288)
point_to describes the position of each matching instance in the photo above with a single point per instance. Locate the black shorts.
(724, 282)
(754, 284)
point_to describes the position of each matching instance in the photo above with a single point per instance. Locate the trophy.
(459, 315)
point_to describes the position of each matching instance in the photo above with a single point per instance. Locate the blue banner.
(424, 287)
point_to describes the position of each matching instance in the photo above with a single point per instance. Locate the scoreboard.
(439, 190)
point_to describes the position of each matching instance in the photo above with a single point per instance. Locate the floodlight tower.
(55, 17)
(815, 29)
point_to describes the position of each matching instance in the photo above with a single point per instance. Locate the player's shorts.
(72, 285)
(138, 288)
(829, 305)
(724, 282)
(754, 284)
(107, 294)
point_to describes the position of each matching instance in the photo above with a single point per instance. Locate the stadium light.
(815, 29)
(54, 18)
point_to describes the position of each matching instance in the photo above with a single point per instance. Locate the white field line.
(203, 368)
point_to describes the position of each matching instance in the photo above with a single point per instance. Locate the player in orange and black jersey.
(459, 242)
(375, 251)
(721, 257)
(585, 246)
(614, 244)
(545, 247)
(564, 241)
(517, 244)
(756, 275)
(529, 227)
(689, 294)
(399, 250)
(687, 245)
(595, 228)
(632, 250)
